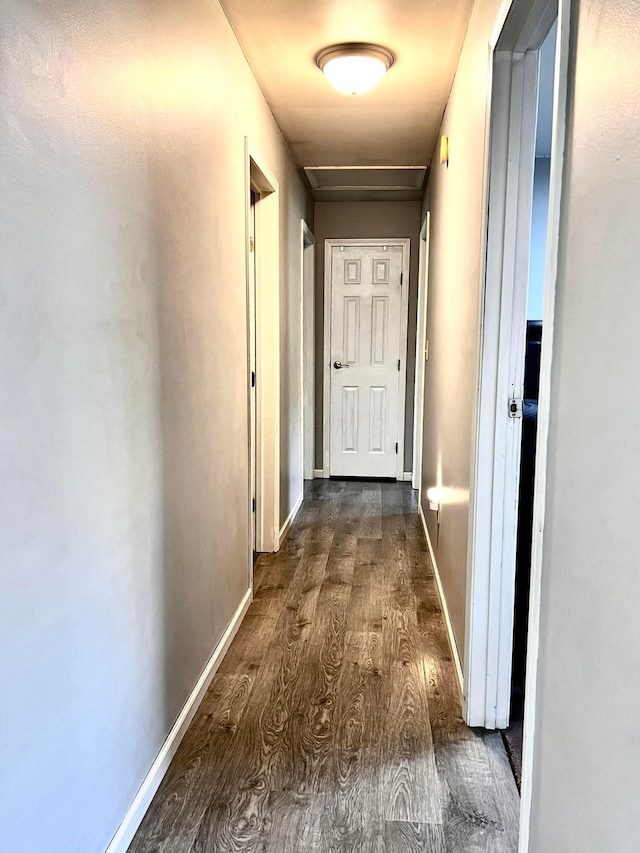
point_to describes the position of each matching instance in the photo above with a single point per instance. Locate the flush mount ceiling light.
(355, 68)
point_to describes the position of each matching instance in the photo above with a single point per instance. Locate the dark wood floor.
(334, 721)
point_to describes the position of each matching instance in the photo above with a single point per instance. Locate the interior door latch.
(515, 407)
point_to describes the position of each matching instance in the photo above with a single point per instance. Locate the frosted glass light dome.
(354, 68)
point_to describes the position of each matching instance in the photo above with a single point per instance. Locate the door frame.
(251, 394)
(421, 353)
(520, 26)
(263, 314)
(512, 161)
(560, 101)
(307, 366)
(405, 243)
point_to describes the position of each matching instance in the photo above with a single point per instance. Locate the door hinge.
(515, 407)
(253, 504)
(252, 245)
(401, 278)
(253, 379)
(398, 364)
(396, 446)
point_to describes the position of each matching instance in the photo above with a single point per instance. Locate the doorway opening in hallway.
(307, 344)
(263, 354)
(530, 396)
(525, 141)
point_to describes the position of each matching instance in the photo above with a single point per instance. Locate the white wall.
(368, 219)
(586, 778)
(123, 438)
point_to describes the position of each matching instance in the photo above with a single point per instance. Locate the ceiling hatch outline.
(366, 178)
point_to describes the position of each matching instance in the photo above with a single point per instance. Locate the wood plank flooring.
(334, 721)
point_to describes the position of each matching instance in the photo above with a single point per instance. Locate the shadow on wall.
(126, 370)
(201, 304)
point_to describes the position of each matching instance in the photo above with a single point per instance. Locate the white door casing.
(263, 314)
(366, 301)
(421, 355)
(251, 335)
(520, 27)
(308, 415)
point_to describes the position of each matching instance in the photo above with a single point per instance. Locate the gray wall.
(123, 439)
(456, 198)
(587, 748)
(363, 220)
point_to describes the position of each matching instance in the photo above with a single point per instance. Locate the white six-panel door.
(367, 353)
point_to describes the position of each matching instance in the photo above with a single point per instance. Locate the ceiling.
(395, 124)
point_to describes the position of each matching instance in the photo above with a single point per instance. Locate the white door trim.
(405, 243)
(520, 27)
(307, 344)
(261, 180)
(421, 343)
(251, 367)
(502, 371)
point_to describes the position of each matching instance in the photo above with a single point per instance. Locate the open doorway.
(519, 47)
(422, 355)
(532, 349)
(263, 355)
(308, 367)
(253, 370)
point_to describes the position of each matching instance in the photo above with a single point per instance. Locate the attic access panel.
(397, 180)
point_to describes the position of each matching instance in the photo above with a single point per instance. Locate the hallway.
(334, 720)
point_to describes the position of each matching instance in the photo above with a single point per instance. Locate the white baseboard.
(133, 818)
(291, 517)
(443, 602)
(319, 474)
(407, 477)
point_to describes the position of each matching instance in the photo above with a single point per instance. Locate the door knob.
(339, 364)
